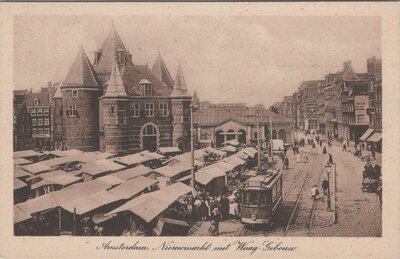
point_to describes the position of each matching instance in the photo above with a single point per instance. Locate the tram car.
(260, 197)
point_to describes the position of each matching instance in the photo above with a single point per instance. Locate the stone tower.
(180, 102)
(79, 99)
(58, 119)
(115, 109)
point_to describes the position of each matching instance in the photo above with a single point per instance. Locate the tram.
(260, 196)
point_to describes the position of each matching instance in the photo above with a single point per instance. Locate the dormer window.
(36, 102)
(75, 93)
(148, 90)
(147, 87)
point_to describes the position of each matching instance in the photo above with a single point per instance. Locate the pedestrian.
(197, 209)
(233, 209)
(325, 185)
(305, 158)
(294, 150)
(324, 150)
(344, 147)
(314, 192)
(298, 158)
(313, 144)
(320, 143)
(216, 216)
(286, 163)
(330, 160)
(373, 153)
(212, 230)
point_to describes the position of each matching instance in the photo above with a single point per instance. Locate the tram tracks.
(301, 213)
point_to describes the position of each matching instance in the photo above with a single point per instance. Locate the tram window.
(243, 197)
(262, 199)
(253, 198)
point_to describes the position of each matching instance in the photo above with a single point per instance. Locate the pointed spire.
(180, 88)
(81, 73)
(160, 70)
(196, 101)
(109, 49)
(115, 86)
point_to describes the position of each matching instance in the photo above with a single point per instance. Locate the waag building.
(115, 105)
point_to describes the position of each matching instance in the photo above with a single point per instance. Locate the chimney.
(97, 55)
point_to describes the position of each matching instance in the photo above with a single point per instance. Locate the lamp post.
(192, 149)
(328, 169)
(193, 106)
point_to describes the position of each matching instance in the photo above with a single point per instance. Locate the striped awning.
(375, 138)
(367, 133)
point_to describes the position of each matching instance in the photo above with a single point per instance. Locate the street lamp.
(328, 169)
(193, 106)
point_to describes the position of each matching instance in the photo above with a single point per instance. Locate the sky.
(246, 59)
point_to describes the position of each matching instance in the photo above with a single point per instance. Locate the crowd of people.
(207, 207)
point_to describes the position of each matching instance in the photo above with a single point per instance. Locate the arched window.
(230, 134)
(282, 134)
(149, 137)
(149, 130)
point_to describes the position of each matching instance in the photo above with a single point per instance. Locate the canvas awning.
(134, 172)
(153, 156)
(111, 179)
(18, 184)
(19, 173)
(229, 149)
(90, 202)
(235, 161)
(366, 134)
(232, 142)
(92, 186)
(36, 168)
(101, 166)
(173, 170)
(215, 151)
(63, 180)
(20, 214)
(149, 206)
(168, 150)
(25, 153)
(208, 174)
(132, 187)
(375, 138)
(22, 161)
(133, 159)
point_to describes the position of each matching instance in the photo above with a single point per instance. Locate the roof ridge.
(81, 72)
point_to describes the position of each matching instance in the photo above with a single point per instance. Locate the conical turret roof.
(161, 71)
(115, 86)
(111, 45)
(180, 88)
(81, 73)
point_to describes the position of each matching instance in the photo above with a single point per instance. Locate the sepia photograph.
(147, 126)
(121, 128)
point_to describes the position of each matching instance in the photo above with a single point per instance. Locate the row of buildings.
(345, 106)
(115, 105)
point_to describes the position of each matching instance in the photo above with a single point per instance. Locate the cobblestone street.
(358, 213)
